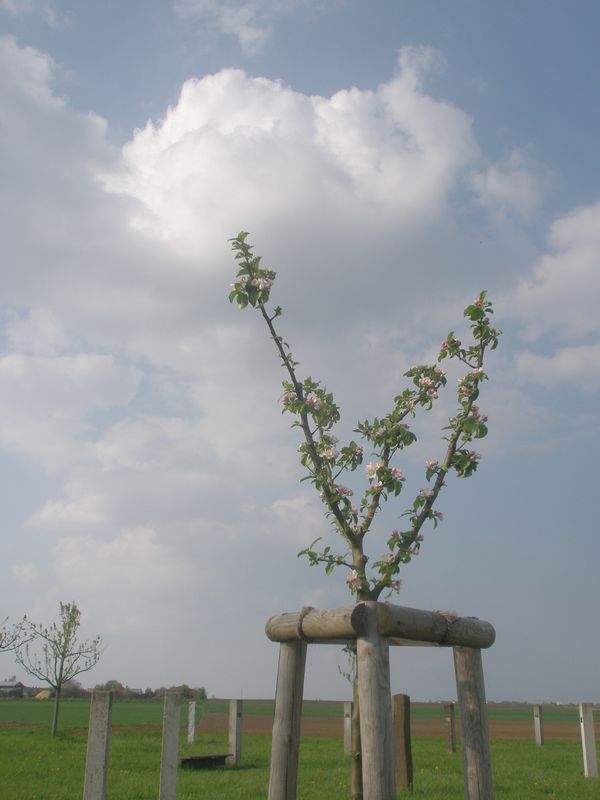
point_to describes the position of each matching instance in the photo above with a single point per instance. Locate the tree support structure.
(375, 627)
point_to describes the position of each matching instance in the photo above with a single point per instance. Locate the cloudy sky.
(391, 160)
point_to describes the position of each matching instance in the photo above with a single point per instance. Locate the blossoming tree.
(327, 461)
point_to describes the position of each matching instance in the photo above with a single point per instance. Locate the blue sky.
(391, 159)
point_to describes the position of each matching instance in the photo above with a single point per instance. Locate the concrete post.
(170, 747)
(96, 764)
(235, 733)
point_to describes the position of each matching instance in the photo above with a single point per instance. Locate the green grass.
(75, 713)
(33, 766)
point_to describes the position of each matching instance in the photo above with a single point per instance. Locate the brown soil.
(333, 726)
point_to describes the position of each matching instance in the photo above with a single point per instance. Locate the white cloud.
(576, 366)
(39, 333)
(250, 21)
(46, 402)
(386, 157)
(512, 186)
(123, 579)
(84, 507)
(45, 8)
(25, 573)
(561, 298)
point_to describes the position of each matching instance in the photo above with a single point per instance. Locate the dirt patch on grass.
(333, 726)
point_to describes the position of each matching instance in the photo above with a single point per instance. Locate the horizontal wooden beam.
(402, 625)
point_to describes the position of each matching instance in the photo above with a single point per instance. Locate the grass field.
(33, 766)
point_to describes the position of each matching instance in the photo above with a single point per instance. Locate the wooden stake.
(372, 653)
(402, 740)
(538, 725)
(449, 717)
(96, 764)
(473, 720)
(285, 744)
(235, 733)
(170, 747)
(588, 740)
(191, 729)
(348, 726)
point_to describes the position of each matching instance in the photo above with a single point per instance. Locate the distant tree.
(72, 688)
(11, 636)
(114, 686)
(186, 692)
(54, 654)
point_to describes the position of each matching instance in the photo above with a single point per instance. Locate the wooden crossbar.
(399, 624)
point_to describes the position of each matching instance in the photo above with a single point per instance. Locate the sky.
(391, 160)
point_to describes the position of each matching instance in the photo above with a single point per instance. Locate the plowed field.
(330, 725)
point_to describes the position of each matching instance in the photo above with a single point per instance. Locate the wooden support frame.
(285, 742)
(375, 626)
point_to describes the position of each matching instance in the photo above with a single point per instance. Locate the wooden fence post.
(285, 743)
(473, 720)
(449, 718)
(538, 725)
(170, 746)
(373, 664)
(402, 740)
(348, 726)
(588, 740)
(191, 728)
(96, 764)
(235, 733)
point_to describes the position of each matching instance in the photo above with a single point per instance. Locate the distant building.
(11, 689)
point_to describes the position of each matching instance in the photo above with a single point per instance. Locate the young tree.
(11, 636)
(55, 655)
(326, 461)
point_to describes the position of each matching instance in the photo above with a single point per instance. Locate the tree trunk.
(55, 714)
(356, 787)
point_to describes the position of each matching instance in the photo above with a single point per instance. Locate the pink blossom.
(474, 457)
(353, 580)
(395, 585)
(431, 463)
(287, 398)
(262, 283)
(397, 474)
(330, 454)
(371, 470)
(438, 515)
(344, 491)
(425, 493)
(314, 402)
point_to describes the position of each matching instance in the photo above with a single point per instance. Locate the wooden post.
(285, 744)
(96, 764)
(588, 740)
(538, 725)
(235, 733)
(170, 746)
(402, 741)
(348, 726)
(373, 664)
(474, 730)
(449, 718)
(191, 729)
